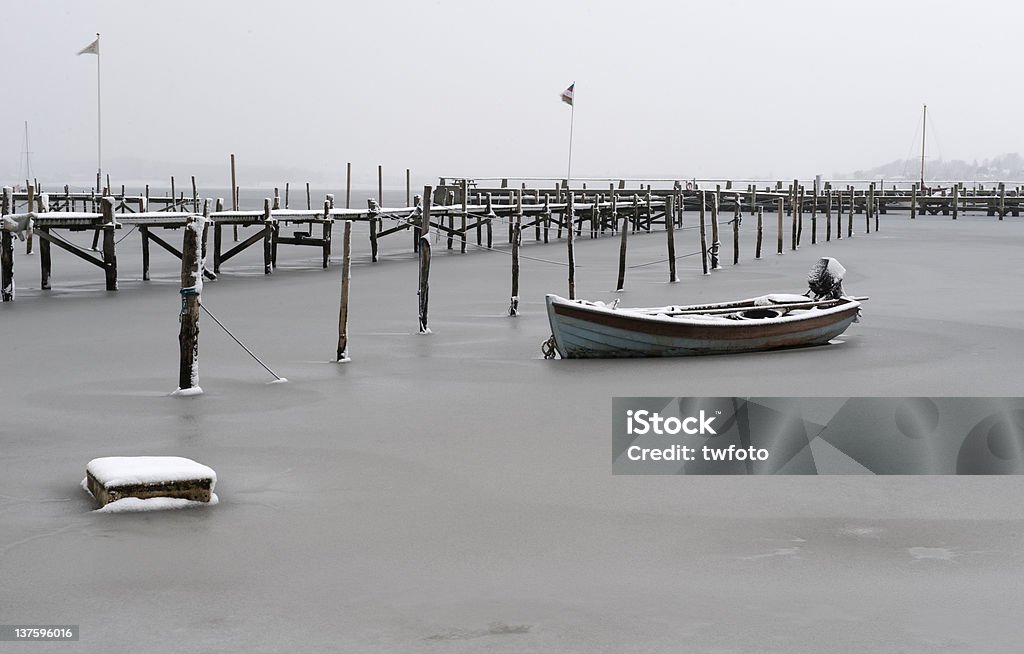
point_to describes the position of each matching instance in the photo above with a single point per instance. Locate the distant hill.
(1002, 168)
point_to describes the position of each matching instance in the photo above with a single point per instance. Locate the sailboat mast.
(28, 155)
(924, 125)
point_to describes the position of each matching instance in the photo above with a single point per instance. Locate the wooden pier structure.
(463, 212)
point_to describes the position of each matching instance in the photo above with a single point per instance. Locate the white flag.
(92, 48)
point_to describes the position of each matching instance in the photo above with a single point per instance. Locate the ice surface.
(447, 484)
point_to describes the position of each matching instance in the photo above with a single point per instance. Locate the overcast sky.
(688, 89)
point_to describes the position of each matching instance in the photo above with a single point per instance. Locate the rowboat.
(582, 329)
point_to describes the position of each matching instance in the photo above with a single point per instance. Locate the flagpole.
(572, 117)
(99, 122)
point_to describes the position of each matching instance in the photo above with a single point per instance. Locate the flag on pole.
(567, 94)
(92, 48)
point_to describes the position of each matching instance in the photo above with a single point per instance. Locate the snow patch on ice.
(279, 380)
(188, 392)
(136, 505)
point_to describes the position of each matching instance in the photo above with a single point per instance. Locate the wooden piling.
(268, 238)
(109, 256)
(348, 185)
(670, 219)
(779, 228)
(956, 198)
(715, 242)
(191, 298)
(794, 190)
(309, 199)
(870, 208)
(29, 208)
(424, 268)
(517, 237)
(346, 275)
(408, 188)
(760, 227)
(703, 233)
(374, 217)
(828, 213)
(7, 249)
(622, 248)
(913, 201)
(849, 224)
(569, 246)
(1002, 200)
(465, 212)
(736, 233)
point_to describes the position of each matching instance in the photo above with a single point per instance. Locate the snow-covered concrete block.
(113, 478)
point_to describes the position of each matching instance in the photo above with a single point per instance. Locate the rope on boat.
(547, 348)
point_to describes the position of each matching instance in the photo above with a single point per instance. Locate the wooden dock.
(464, 212)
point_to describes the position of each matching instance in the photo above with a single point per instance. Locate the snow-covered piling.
(670, 236)
(715, 241)
(423, 292)
(703, 232)
(779, 249)
(191, 297)
(346, 274)
(620, 282)
(7, 249)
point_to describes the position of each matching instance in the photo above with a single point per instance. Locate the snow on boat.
(582, 329)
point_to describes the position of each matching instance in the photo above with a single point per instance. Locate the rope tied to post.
(187, 292)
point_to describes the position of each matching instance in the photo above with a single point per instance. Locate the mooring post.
(853, 201)
(736, 232)
(956, 197)
(621, 281)
(373, 210)
(328, 231)
(29, 208)
(782, 201)
(7, 249)
(490, 221)
(913, 201)
(828, 212)
(424, 268)
(217, 229)
(465, 212)
(408, 188)
(670, 235)
(703, 234)
(870, 208)
(109, 256)
(277, 200)
(547, 216)
(716, 244)
(191, 298)
(517, 237)
(417, 222)
(44, 245)
(346, 275)
(268, 237)
(814, 217)
(1002, 200)
(348, 185)
(569, 246)
(760, 227)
